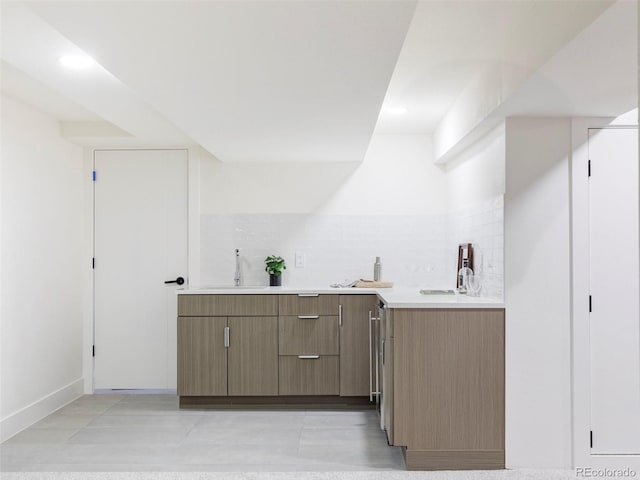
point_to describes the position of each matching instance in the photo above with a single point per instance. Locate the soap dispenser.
(377, 270)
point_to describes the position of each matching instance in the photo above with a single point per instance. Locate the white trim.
(27, 416)
(582, 456)
(87, 274)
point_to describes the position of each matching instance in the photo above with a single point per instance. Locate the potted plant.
(275, 266)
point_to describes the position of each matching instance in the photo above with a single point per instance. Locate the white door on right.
(614, 282)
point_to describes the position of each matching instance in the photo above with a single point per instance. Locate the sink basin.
(233, 287)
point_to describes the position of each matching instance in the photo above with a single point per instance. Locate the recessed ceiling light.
(396, 110)
(76, 62)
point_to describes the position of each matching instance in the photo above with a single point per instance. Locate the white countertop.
(398, 297)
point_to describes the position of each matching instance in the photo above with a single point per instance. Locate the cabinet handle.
(308, 294)
(226, 337)
(370, 362)
(310, 317)
(340, 316)
(308, 357)
(373, 358)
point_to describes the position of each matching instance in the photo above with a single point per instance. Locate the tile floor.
(114, 433)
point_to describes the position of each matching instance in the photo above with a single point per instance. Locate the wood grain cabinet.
(354, 343)
(309, 345)
(231, 355)
(202, 356)
(443, 387)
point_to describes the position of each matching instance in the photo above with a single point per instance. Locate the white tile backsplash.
(416, 250)
(336, 247)
(483, 226)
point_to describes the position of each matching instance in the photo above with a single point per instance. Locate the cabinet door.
(202, 356)
(449, 380)
(354, 344)
(253, 356)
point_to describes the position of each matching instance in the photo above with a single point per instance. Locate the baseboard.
(27, 416)
(454, 459)
(330, 402)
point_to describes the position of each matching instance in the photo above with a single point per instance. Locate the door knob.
(178, 280)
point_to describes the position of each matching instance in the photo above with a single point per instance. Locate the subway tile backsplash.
(336, 248)
(483, 226)
(416, 250)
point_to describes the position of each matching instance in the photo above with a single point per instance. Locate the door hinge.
(589, 303)
(590, 438)
(93, 175)
(93, 351)
(93, 263)
(589, 168)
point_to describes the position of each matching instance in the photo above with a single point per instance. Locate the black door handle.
(178, 280)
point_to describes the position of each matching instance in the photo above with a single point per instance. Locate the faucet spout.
(237, 277)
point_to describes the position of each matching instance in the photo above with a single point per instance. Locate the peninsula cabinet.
(443, 387)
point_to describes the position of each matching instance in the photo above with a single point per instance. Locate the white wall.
(339, 215)
(475, 189)
(538, 293)
(395, 177)
(41, 292)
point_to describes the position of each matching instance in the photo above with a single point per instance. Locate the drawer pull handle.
(308, 357)
(310, 317)
(308, 294)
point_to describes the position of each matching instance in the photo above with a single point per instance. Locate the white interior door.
(140, 242)
(614, 278)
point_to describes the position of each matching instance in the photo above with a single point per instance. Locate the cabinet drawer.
(227, 305)
(309, 335)
(307, 304)
(309, 376)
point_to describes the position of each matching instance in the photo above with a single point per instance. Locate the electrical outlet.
(300, 260)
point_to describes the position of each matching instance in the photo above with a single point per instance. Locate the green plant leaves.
(274, 265)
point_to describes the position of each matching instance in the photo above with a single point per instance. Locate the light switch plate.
(300, 260)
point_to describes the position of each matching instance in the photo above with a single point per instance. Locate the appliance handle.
(370, 361)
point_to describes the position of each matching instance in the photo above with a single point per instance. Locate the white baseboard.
(23, 418)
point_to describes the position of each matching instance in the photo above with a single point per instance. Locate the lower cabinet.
(440, 372)
(355, 346)
(202, 356)
(443, 387)
(253, 356)
(309, 345)
(235, 356)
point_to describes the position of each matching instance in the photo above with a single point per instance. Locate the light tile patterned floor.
(114, 433)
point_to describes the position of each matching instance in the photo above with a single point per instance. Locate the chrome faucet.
(236, 278)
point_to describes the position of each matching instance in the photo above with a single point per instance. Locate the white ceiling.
(294, 81)
(450, 42)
